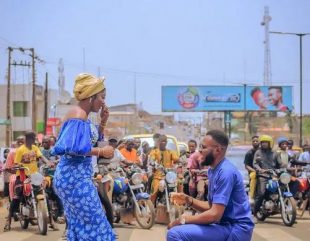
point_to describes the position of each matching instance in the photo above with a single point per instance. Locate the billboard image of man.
(259, 98)
(275, 98)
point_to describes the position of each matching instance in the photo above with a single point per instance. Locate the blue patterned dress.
(73, 183)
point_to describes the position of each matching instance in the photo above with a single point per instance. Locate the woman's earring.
(90, 99)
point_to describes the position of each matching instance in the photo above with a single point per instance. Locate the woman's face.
(98, 101)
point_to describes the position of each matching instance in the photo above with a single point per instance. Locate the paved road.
(272, 229)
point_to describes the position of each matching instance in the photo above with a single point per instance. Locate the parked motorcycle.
(303, 195)
(278, 198)
(167, 186)
(128, 195)
(33, 206)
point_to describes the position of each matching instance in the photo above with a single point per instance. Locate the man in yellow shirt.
(164, 157)
(27, 156)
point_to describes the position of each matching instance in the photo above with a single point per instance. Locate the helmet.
(281, 140)
(266, 138)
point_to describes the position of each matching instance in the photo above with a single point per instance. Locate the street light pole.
(300, 35)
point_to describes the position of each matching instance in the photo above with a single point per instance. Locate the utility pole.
(300, 35)
(45, 101)
(34, 105)
(267, 62)
(8, 103)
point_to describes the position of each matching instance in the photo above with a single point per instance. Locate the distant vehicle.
(183, 147)
(172, 143)
(236, 155)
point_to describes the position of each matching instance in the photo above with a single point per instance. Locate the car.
(183, 147)
(236, 155)
(172, 143)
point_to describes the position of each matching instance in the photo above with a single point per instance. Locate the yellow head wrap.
(87, 85)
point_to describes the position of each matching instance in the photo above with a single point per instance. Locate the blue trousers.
(211, 232)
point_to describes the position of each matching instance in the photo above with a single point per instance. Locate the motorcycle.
(302, 197)
(128, 196)
(278, 198)
(167, 186)
(33, 206)
(51, 197)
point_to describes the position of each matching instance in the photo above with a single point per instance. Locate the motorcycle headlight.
(171, 177)
(285, 178)
(137, 178)
(36, 179)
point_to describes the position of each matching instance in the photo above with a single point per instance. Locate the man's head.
(259, 98)
(156, 138)
(290, 144)
(46, 142)
(30, 138)
(255, 142)
(306, 147)
(145, 147)
(53, 140)
(275, 95)
(282, 142)
(162, 142)
(213, 147)
(130, 143)
(20, 140)
(6, 153)
(266, 142)
(113, 141)
(192, 146)
(137, 143)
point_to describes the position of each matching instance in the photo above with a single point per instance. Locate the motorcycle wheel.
(261, 216)
(24, 223)
(174, 213)
(42, 217)
(289, 212)
(147, 218)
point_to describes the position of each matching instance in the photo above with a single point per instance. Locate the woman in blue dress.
(73, 177)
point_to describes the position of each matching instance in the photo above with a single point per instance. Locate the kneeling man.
(226, 215)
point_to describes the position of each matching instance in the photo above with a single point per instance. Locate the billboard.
(269, 98)
(202, 98)
(226, 98)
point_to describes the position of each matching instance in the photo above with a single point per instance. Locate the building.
(21, 109)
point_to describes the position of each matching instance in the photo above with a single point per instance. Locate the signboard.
(202, 98)
(226, 98)
(269, 98)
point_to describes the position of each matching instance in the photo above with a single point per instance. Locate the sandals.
(61, 220)
(7, 227)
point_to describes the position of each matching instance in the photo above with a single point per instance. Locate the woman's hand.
(104, 114)
(107, 152)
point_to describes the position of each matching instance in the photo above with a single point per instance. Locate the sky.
(157, 42)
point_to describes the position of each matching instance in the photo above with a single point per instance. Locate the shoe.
(255, 220)
(61, 220)
(64, 235)
(54, 227)
(7, 227)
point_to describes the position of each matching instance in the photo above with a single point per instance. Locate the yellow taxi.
(172, 143)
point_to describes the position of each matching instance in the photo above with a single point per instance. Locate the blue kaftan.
(73, 183)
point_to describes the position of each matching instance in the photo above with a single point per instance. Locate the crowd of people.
(207, 181)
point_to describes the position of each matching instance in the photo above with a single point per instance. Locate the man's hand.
(179, 199)
(174, 223)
